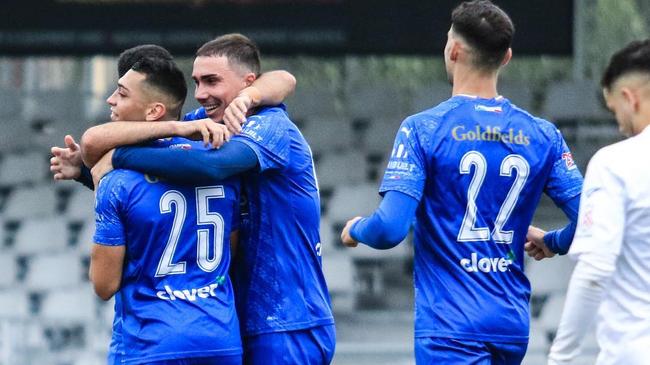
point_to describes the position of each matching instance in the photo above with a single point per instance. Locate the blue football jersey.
(176, 299)
(115, 351)
(478, 168)
(197, 114)
(278, 276)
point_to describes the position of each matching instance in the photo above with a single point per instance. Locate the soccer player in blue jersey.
(163, 250)
(66, 163)
(471, 171)
(270, 88)
(282, 298)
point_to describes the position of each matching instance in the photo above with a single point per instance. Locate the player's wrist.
(254, 95)
(179, 129)
(550, 240)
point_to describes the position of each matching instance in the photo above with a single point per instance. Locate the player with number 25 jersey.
(176, 300)
(478, 168)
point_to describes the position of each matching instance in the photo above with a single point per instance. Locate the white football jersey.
(614, 222)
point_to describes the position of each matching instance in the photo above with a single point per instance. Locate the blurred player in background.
(472, 170)
(163, 249)
(282, 299)
(611, 281)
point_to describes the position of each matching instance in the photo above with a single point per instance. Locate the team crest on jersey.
(568, 160)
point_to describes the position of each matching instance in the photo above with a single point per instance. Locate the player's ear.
(507, 57)
(155, 111)
(249, 78)
(456, 47)
(631, 98)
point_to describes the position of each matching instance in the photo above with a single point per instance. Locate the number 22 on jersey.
(468, 232)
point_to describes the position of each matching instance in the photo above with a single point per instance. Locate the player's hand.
(535, 246)
(102, 167)
(211, 133)
(235, 114)
(345, 234)
(66, 161)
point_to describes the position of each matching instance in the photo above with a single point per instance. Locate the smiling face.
(129, 101)
(217, 83)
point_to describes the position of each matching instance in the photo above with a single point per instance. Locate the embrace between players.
(171, 233)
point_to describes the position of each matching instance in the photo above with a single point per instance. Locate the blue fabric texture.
(389, 224)
(559, 240)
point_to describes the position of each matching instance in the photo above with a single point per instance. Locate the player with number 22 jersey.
(478, 167)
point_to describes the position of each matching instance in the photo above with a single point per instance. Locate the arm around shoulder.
(272, 88)
(102, 138)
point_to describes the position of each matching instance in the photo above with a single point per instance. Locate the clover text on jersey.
(190, 294)
(490, 134)
(485, 264)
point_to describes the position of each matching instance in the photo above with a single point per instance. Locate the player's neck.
(471, 82)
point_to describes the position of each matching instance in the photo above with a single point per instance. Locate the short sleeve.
(601, 219)
(565, 180)
(196, 114)
(406, 170)
(109, 228)
(267, 135)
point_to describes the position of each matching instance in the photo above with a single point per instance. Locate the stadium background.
(362, 66)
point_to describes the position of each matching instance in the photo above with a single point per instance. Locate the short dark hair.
(132, 55)
(635, 57)
(236, 47)
(164, 76)
(486, 28)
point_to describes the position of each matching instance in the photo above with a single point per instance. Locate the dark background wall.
(313, 27)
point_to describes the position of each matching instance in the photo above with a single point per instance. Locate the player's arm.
(563, 187)
(108, 253)
(188, 166)
(272, 87)
(106, 264)
(386, 227)
(100, 139)
(541, 244)
(559, 240)
(390, 223)
(597, 244)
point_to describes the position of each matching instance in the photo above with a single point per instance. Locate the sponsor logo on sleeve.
(568, 161)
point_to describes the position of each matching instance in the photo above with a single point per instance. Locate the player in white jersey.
(612, 241)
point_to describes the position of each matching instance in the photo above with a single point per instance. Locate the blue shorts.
(312, 346)
(212, 360)
(449, 351)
